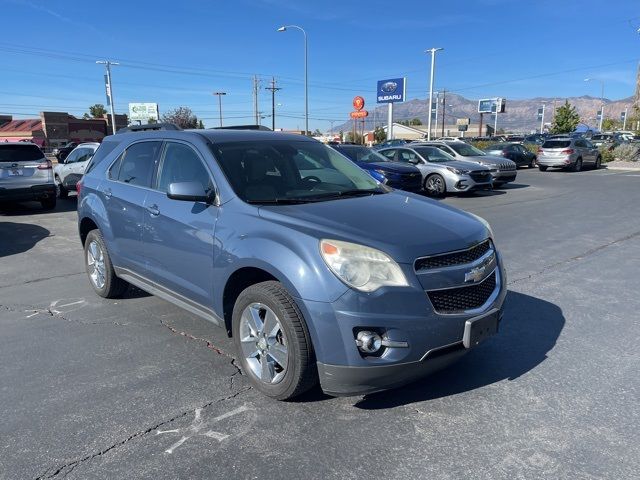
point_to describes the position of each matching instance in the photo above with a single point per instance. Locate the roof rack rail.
(243, 127)
(149, 126)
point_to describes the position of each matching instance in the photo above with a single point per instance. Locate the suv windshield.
(465, 149)
(20, 153)
(361, 154)
(282, 171)
(602, 137)
(433, 154)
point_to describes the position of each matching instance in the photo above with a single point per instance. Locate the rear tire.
(542, 168)
(99, 268)
(598, 163)
(290, 344)
(576, 167)
(63, 193)
(533, 162)
(48, 203)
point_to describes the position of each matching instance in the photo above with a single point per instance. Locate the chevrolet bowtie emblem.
(475, 274)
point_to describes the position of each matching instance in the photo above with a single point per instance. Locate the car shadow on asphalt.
(34, 208)
(19, 237)
(529, 330)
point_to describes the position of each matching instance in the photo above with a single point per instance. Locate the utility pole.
(433, 66)
(219, 95)
(273, 89)
(444, 107)
(255, 99)
(107, 64)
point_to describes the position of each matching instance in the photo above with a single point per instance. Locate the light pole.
(306, 75)
(219, 95)
(601, 100)
(107, 64)
(433, 65)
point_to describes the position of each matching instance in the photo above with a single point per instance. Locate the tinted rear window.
(20, 153)
(103, 150)
(556, 144)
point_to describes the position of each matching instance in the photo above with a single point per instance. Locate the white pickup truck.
(67, 173)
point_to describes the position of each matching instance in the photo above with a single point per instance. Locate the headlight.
(483, 221)
(363, 268)
(457, 171)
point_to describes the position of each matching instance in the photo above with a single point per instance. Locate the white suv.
(68, 172)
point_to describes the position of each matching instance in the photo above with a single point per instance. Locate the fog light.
(368, 342)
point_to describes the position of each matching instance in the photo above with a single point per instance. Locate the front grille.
(456, 300)
(453, 258)
(480, 176)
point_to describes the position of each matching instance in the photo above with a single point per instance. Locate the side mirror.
(189, 192)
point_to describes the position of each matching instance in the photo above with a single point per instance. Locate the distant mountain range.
(520, 115)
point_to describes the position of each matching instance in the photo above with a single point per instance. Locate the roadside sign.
(463, 121)
(359, 114)
(491, 105)
(540, 113)
(358, 103)
(463, 128)
(143, 112)
(623, 115)
(391, 90)
(108, 89)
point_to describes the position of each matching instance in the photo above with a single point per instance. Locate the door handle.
(153, 210)
(107, 193)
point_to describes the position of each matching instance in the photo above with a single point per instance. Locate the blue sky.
(178, 53)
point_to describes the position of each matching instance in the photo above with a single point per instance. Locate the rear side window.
(556, 144)
(182, 164)
(103, 150)
(137, 163)
(20, 153)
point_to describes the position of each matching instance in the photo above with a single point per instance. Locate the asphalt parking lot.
(137, 388)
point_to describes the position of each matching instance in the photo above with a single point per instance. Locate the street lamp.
(306, 75)
(107, 65)
(433, 65)
(219, 95)
(601, 100)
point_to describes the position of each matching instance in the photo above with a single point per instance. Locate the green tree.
(316, 133)
(415, 121)
(610, 124)
(357, 138)
(96, 111)
(379, 135)
(566, 119)
(183, 117)
(200, 125)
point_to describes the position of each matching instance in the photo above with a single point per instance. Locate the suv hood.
(403, 225)
(393, 167)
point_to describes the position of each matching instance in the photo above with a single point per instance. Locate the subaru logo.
(389, 87)
(475, 274)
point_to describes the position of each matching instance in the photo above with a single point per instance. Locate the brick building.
(54, 129)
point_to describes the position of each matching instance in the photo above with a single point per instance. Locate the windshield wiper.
(279, 201)
(350, 193)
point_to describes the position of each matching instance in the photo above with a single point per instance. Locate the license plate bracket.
(478, 329)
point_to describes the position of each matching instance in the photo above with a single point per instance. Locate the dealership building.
(54, 129)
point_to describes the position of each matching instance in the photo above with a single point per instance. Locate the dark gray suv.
(324, 275)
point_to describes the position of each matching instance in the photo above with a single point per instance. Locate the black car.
(62, 152)
(394, 174)
(514, 152)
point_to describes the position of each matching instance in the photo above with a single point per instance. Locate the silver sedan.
(441, 173)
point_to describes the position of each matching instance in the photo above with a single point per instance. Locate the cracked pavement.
(93, 388)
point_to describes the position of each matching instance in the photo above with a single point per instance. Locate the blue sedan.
(394, 174)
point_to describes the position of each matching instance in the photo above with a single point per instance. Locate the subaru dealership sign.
(391, 90)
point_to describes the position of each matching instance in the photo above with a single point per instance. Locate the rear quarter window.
(100, 154)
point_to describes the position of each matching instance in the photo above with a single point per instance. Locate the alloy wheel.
(435, 185)
(264, 343)
(96, 265)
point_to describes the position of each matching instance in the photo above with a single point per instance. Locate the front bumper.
(401, 315)
(464, 183)
(504, 176)
(35, 192)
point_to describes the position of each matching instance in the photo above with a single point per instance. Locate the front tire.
(99, 268)
(598, 163)
(273, 342)
(435, 185)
